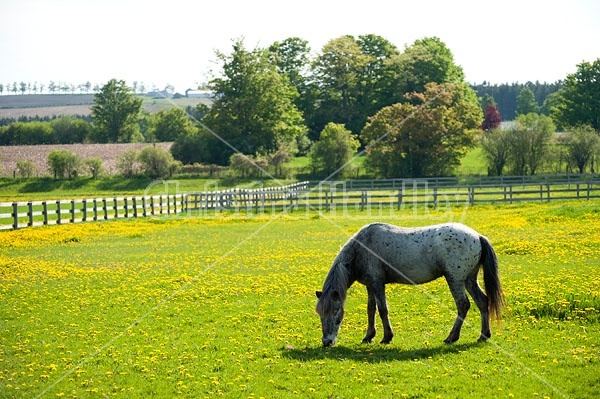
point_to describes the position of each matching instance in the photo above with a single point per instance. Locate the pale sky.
(173, 41)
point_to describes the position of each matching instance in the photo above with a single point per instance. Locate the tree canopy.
(254, 106)
(578, 101)
(426, 136)
(115, 113)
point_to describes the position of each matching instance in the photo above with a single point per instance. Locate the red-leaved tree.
(491, 118)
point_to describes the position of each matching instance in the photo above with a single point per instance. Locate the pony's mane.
(337, 279)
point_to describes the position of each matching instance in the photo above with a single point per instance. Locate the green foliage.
(64, 163)
(578, 102)
(428, 60)
(530, 142)
(28, 133)
(196, 147)
(332, 153)
(254, 106)
(168, 125)
(115, 113)
(526, 103)
(582, 143)
(496, 147)
(94, 166)
(25, 169)
(247, 165)
(127, 164)
(155, 162)
(424, 137)
(70, 130)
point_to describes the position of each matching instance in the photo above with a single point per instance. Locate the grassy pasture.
(223, 306)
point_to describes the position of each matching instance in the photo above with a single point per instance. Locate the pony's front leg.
(388, 334)
(371, 309)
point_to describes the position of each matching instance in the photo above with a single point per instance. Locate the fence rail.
(330, 195)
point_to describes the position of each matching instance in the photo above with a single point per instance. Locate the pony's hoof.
(450, 341)
(483, 338)
(386, 341)
(367, 340)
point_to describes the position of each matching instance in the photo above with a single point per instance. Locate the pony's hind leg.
(371, 309)
(481, 301)
(457, 288)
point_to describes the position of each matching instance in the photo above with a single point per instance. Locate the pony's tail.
(491, 280)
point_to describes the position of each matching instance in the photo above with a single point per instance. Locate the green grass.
(473, 164)
(86, 187)
(223, 306)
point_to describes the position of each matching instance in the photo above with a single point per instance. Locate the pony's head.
(330, 307)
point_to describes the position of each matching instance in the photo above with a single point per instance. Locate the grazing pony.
(381, 253)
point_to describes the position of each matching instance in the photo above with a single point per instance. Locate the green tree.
(254, 106)
(155, 161)
(25, 169)
(331, 154)
(29, 133)
(526, 103)
(582, 144)
(495, 144)
(94, 166)
(127, 163)
(64, 163)
(427, 60)
(578, 101)
(529, 140)
(426, 136)
(337, 72)
(247, 165)
(167, 125)
(70, 130)
(115, 113)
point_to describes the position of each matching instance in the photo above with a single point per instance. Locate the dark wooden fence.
(324, 196)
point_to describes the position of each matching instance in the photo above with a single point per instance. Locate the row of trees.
(53, 87)
(507, 96)
(412, 111)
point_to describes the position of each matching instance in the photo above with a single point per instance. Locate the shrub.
(64, 163)
(94, 166)
(155, 161)
(127, 163)
(25, 169)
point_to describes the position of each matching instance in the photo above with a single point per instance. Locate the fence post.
(105, 208)
(399, 198)
(84, 210)
(45, 212)
(116, 206)
(95, 209)
(72, 211)
(126, 206)
(471, 195)
(144, 212)
(435, 199)
(58, 212)
(135, 211)
(15, 214)
(30, 213)
(511, 194)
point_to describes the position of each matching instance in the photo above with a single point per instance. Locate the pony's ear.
(318, 294)
(335, 295)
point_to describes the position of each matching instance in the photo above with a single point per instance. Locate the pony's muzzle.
(327, 342)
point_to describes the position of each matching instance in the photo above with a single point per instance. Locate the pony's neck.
(338, 279)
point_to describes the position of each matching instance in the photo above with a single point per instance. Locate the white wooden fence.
(349, 195)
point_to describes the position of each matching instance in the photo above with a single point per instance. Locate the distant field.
(38, 154)
(43, 105)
